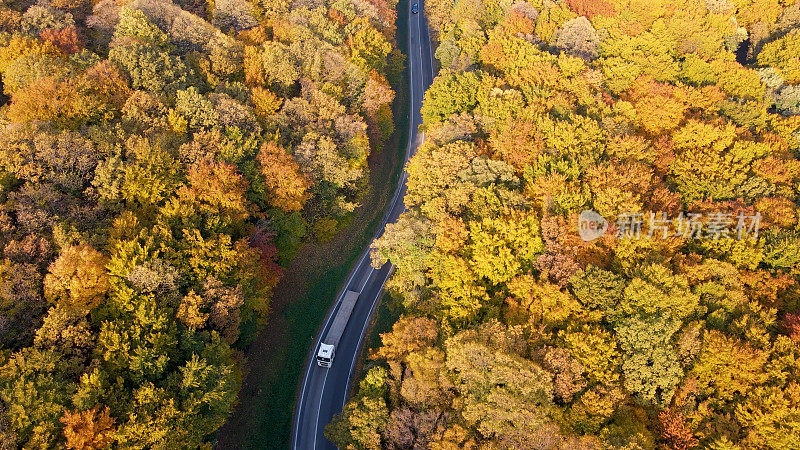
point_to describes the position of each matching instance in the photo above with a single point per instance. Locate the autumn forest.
(162, 162)
(516, 332)
(159, 164)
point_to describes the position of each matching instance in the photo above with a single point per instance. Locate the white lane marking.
(310, 366)
(430, 49)
(392, 206)
(363, 330)
(419, 35)
(419, 47)
(366, 279)
(350, 278)
(319, 407)
(391, 270)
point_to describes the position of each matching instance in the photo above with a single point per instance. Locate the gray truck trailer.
(327, 348)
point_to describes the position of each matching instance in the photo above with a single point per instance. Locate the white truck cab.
(325, 355)
(327, 348)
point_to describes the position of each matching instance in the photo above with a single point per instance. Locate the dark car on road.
(415, 8)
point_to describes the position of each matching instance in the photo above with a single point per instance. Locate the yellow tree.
(92, 429)
(78, 278)
(459, 293)
(67, 103)
(783, 54)
(659, 106)
(265, 102)
(728, 367)
(368, 47)
(217, 190)
(286, 184)
(771, 416)
(501, 247)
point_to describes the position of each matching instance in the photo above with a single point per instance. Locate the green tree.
(368, 47)
(143, 51)
(35, 395)
(500, 248)
(451, 92)
(649, 363)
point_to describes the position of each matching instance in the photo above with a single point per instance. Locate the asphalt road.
(324, 392)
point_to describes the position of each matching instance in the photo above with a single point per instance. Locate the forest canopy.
(159, 163)
(516, 332)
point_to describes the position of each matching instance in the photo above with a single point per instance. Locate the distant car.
(415, 8)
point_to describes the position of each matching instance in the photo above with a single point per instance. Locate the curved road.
(325, 391)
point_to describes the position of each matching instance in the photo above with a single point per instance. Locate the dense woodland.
(159, 163)
(516, 333)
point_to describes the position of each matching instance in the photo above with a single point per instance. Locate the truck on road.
(327, 348)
